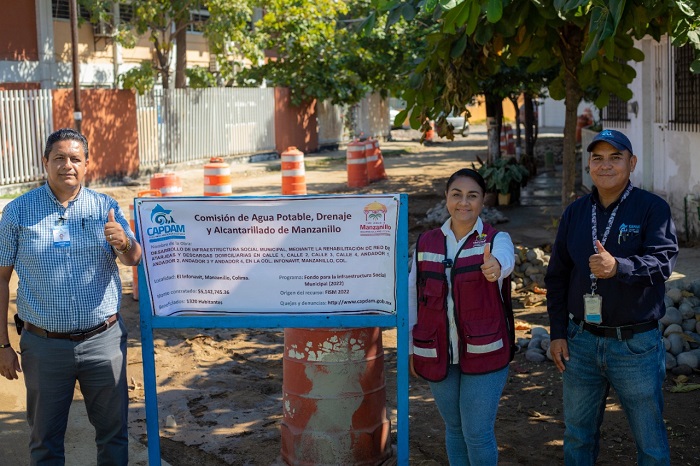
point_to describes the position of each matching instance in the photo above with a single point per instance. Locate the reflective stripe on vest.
(430, 257)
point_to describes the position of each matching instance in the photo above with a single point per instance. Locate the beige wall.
(92, 50)
(197, 51)
(478, 110)
(88, 50)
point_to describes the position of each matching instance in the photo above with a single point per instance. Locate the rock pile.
(530, 268)
(681, 326)
(537, 347)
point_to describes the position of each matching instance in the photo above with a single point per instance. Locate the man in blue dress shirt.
(62, 240)
(613, 252)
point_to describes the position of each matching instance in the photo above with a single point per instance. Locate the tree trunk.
(528, 157)
(181, 54)
(494, 114)
(528, 106)
(572, 39)
(518, 140)
(162, 61)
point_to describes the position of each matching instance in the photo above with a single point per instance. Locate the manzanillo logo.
(375, 212)
(165, 227)
(375, 220)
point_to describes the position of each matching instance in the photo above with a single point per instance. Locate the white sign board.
(271, 255)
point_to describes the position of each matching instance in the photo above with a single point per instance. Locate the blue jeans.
(469, 430)
(51, 368)
(635, 369)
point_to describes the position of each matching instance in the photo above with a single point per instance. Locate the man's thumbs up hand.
(602, 263)
(114, 233)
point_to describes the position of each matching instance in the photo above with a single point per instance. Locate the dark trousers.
(51, 368)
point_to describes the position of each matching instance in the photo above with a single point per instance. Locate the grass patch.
(325, 162)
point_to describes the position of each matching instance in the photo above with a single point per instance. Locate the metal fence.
(187, 125)
(26, 121)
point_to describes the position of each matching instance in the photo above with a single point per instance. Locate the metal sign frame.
(399, 320)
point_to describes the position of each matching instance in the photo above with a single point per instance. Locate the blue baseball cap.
(615, 138)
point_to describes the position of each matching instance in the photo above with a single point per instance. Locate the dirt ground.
(223, 387)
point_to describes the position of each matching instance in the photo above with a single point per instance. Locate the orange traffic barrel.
(357, 165)
(430, 132)
(168, 184)
(293, 171)
(507, 141)
(132, 224)
(217, 178)
(334, 398)
(375, 162)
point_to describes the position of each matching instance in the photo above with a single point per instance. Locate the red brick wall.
(109, 124)
(18, 86)
(18, 34)
(294, 126)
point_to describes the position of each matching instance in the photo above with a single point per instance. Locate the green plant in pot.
(502, 176)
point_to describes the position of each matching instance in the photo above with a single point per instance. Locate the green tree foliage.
(141, 78)
(162, 20)
(200, 77)
(590, 40)
(314, 50)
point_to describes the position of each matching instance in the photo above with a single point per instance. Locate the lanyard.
(594, 229)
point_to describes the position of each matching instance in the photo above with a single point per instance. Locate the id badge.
(61, 236)
(592, 305)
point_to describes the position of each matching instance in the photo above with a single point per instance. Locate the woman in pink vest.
(461, 320)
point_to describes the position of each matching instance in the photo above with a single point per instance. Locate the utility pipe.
(77, 114)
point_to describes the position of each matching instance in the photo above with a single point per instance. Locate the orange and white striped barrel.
(334, 398)
(375, 162)
(217, 178)
(430, 133)
(293, 172)
(507, 140)
(169, 184)
(132, 224)
(357, 165)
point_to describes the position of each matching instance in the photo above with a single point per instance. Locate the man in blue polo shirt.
(613, 252)
(62, 240)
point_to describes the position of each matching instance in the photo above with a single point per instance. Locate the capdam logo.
(165, 228)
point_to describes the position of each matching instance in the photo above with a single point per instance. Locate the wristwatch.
(126, 249)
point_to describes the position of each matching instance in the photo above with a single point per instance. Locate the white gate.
(187, 125)
(26, 121)
(662, 65)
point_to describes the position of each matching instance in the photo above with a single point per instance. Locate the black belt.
(78, 336)
(624, 332)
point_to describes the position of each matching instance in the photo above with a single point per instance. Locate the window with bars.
(685, 91)
(616, 111)
(126, 12)
(198, 19)
(60, 9)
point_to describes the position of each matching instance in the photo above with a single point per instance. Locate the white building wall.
(668, 159)
(551, 113)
